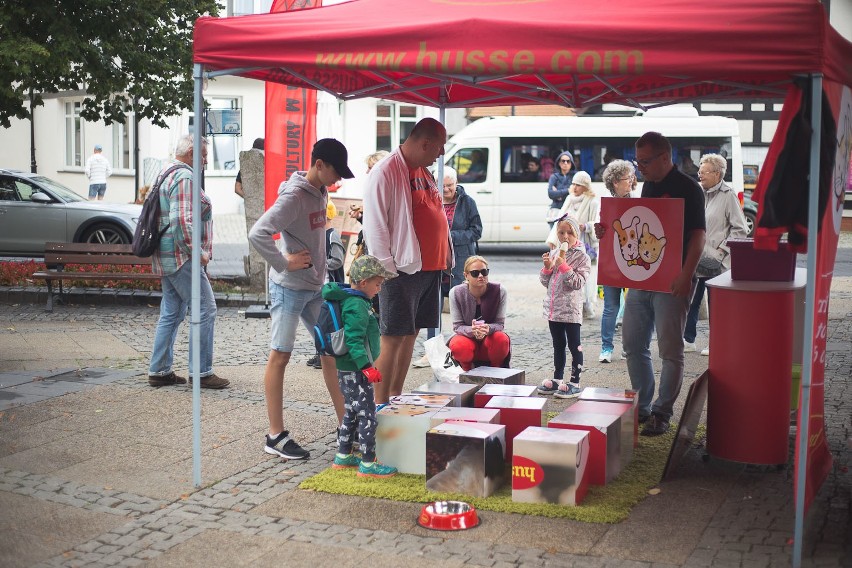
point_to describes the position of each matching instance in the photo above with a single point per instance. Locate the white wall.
(841, 17)
(353, 123)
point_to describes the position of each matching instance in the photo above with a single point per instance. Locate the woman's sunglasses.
(476, 273)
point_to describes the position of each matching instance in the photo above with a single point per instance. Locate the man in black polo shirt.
(667, 311)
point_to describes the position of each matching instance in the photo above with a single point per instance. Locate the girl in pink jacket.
(564, 275)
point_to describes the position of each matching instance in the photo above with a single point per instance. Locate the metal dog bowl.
(448, 516)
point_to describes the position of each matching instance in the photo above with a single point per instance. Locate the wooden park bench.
(58, 255)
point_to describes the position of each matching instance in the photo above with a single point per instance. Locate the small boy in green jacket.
(355, 371)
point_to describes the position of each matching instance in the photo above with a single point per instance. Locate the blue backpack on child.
(328, 331)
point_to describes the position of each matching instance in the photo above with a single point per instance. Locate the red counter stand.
(751, 339)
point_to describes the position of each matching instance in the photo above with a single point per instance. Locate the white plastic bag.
(444, 367)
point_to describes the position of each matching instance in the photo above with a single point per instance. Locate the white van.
(490, 156)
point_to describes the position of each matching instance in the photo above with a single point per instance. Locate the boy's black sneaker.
(315, 362)
(285, 447)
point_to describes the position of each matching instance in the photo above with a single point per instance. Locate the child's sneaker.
(375, 469)
(567, 390)
(348, 461)
(548, 386)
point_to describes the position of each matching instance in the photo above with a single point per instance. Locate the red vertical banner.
(818, 456)
(291, 122)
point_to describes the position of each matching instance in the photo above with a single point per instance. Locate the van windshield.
(592, 154)
(471, 164)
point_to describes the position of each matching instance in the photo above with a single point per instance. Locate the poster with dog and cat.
(642, 246)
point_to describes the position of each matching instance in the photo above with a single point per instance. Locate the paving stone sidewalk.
(96, 467)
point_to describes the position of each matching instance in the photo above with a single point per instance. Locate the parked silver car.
(35, 210)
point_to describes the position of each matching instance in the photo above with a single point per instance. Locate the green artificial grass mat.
(603, 504)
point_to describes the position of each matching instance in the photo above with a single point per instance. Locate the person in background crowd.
(532, 170)
(559, 186)
(583, 205)
(602, 168)
(238, 184)
(725, 220)
(406, 229)
(478, 311)
(564, 275)
(477, 170)
(335, 254)
(357, 212)
(172, 262)
(97, 170)
(688, 167)
(465, 230)
(619, 177)
(296, 275)
(666, 312)
(143, 193)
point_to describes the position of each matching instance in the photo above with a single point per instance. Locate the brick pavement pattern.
(96, 470)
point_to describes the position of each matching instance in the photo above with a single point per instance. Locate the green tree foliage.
(113, 51)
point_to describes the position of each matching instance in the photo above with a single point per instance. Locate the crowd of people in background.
(419, 245)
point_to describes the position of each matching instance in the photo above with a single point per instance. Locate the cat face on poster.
(640, 246)
(650, 247)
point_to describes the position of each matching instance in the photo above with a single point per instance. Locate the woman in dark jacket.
(559, 185)
(465, 224)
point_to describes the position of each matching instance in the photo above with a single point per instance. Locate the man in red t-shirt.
(406, 229)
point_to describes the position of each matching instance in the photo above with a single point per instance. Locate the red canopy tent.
(458, 53)
(461, 53)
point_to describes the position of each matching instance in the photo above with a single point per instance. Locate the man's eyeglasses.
(476, 273)
(646, 162)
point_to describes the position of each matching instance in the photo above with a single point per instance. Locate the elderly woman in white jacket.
(725, 220)
(583, 205)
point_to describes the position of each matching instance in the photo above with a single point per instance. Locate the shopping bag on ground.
(444, 367)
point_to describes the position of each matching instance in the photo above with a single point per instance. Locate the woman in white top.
(725, 220)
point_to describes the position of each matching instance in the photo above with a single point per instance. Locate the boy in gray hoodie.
(296, 274)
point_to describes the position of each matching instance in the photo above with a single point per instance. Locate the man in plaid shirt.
(172, 262)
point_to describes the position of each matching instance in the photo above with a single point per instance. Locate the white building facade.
(63, 140)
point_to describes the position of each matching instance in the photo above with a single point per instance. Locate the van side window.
(595, 153)
(529, 159)
(471, 164)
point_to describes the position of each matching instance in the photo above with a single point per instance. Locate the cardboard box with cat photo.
(642, 246)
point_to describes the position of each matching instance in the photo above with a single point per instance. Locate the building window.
(247, 7)
(394, 122)
(222, 149)
(73, 135)
(122, 143)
